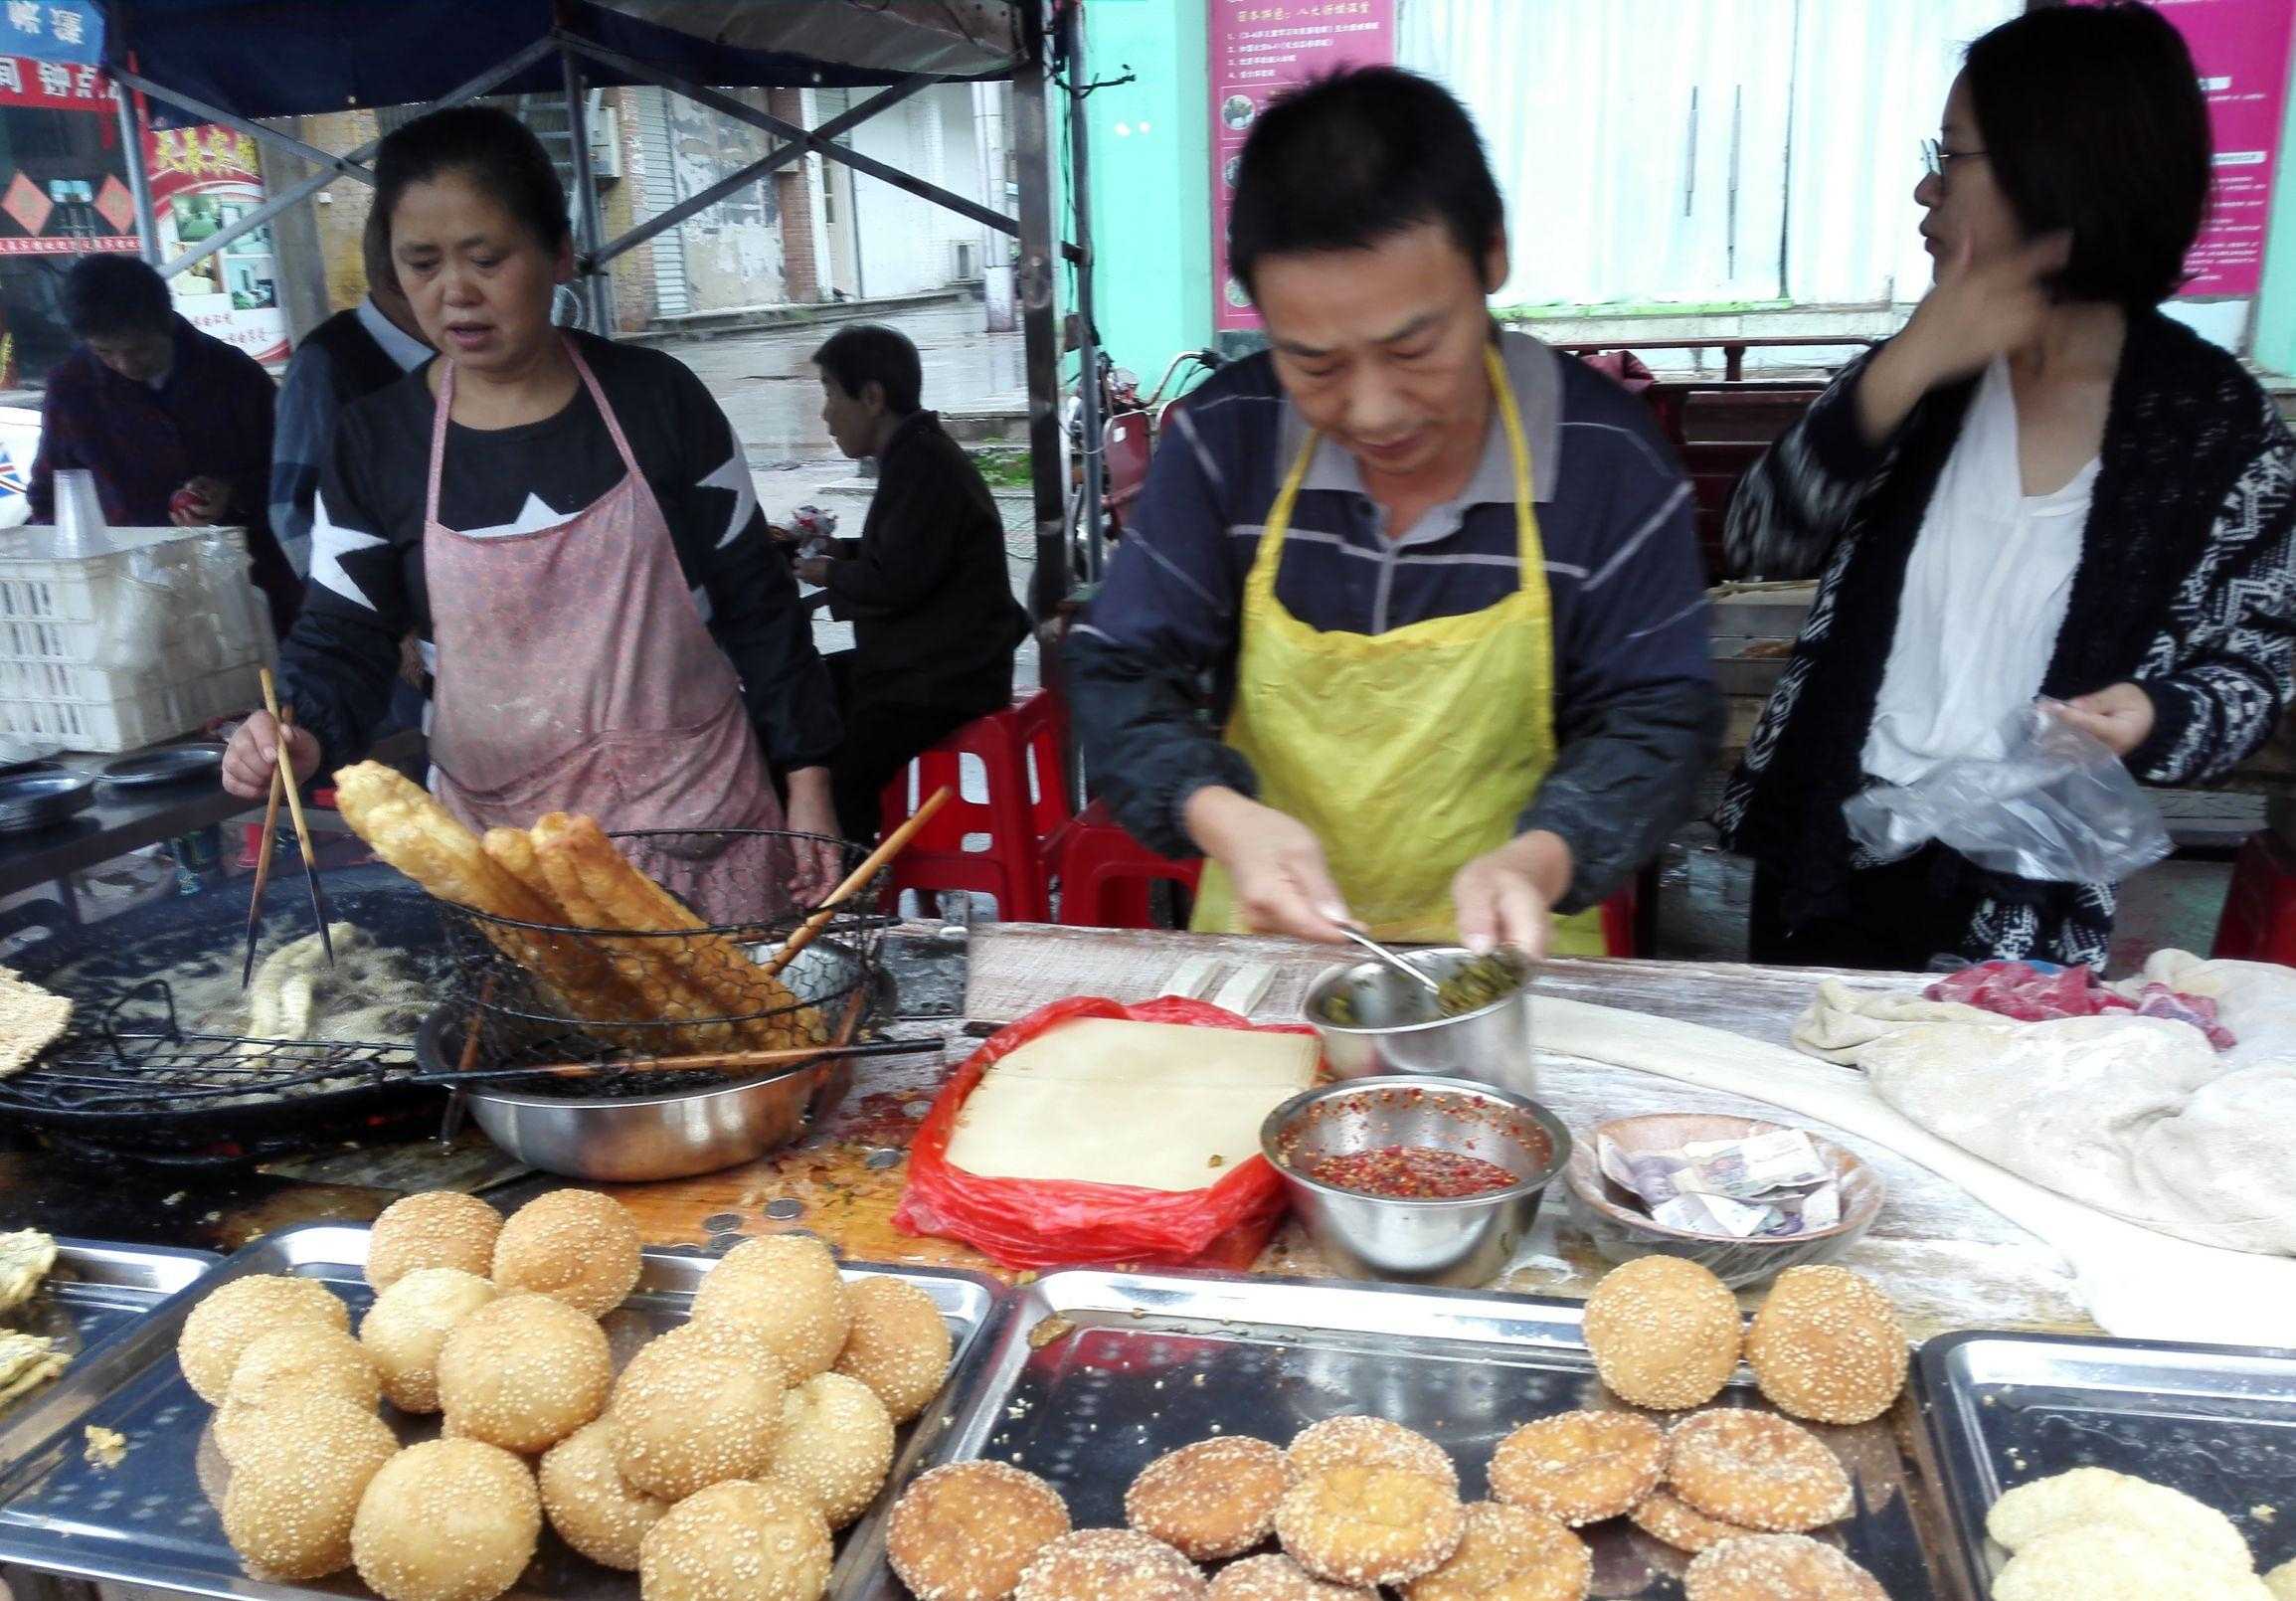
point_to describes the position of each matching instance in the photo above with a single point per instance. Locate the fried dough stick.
(418, 837)
(581, 862)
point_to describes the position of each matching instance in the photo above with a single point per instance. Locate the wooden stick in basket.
(262, 871)
(894, 843)
(285, 775)
(720, 1061)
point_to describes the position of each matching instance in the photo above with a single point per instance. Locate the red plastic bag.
(1045, 1223)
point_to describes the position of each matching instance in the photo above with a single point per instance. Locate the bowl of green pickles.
(1476, 1025)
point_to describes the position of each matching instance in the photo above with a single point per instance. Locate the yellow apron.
(1409, 753)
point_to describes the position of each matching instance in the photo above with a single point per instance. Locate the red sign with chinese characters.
(54, 85)
(1259, 49)
(2240, 50)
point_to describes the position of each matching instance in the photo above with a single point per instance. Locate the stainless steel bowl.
(631, 1139)
(1463, 1241)
(1391, 1032)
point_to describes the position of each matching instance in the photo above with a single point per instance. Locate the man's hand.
(1506, 897)
(2121, 717)
(1974, 314)
(1274, 862)
(200, 503)
(815, 570)
(820, 863)
(252, 753)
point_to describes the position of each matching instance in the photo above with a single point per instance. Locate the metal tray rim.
(1957, 1454)
(117, 1560)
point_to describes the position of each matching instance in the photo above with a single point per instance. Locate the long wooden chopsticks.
(859, 877)
(283, 782)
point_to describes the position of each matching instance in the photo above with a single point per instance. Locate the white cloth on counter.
(2138, 1117)
(1985, 595)
(2138, 1283)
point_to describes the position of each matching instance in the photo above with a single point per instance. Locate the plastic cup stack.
(80, 526)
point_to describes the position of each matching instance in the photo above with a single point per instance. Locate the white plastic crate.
(143, 641)
(129, 722)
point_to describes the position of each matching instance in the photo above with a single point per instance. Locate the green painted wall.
(1150, 170)
(2275, 346)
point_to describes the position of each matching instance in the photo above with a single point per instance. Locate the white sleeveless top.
(1985, 597)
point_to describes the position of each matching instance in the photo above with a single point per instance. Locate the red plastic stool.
(1622, 922)
(2259, 921)
(252, 835)
(1105, 873)
(989, 847)
(1042, 723)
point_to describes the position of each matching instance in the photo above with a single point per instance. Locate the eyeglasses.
(1936, 158)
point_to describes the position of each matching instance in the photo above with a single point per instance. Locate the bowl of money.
(1744, 1199)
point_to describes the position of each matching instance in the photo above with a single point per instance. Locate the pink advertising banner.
(2240, 48)
(1259, 49)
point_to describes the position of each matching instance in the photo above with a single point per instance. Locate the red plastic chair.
(252, 834)
(1104, 872)
(991, 846)
(2260, 919)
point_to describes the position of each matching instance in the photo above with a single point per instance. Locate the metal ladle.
(1355, 933)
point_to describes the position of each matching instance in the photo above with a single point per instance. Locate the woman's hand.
(1506, 896)
(1274, 862)
(1974, 314)
(820, 862)
(253, 754)
(2121, 717)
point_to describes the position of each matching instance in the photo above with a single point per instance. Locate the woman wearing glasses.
(2042, 487)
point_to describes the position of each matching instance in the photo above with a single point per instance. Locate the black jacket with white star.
(367, 591)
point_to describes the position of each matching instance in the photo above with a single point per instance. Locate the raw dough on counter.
(1152, 1105)
(2138, 1117)
(2136, 1283)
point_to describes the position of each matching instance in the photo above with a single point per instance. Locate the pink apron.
(576, 674)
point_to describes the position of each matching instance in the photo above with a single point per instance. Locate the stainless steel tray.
(151, 1520)
(1156, 1360)
(96, 1291)
(2217, 1422)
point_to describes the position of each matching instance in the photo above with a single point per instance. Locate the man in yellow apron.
(1408, 628)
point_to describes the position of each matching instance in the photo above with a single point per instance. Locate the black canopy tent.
(237, 62)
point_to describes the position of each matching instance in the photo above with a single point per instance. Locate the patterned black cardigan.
(2187, 585)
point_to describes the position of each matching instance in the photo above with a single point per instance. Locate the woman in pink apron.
(569, 526)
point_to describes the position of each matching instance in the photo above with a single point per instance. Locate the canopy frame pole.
(349, 166)
(786, 156)
(138, 175)
(1093, 426)
(813, 141)
(597, 284)
(1034, 287)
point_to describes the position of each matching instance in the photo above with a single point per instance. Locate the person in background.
(2041, 486)
(173, 425)
(934, 622)
(1440, 579)
(350, 355)
(571, 522)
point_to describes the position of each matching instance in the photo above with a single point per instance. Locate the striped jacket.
(1151, 666)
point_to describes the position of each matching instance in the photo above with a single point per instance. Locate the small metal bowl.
(1392, 1031)
(1622, 1231)
(1463, 1241)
